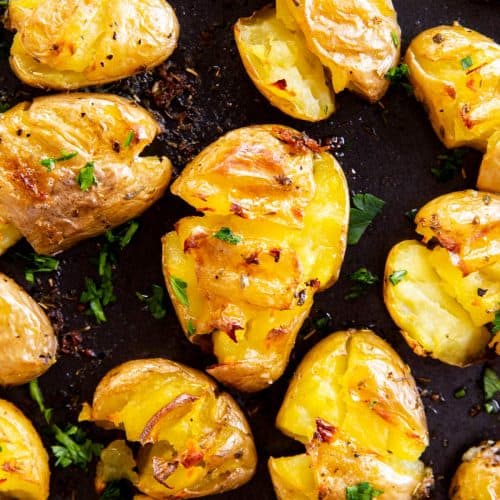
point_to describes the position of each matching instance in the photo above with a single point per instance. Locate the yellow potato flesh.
(425, 304)
(282, 68)
(455, 72)
(293, 478)
(489, 173)
(9, 236)
(67, 44)
(24, 464)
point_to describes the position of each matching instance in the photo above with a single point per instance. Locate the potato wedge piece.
(45, 145)
(244, 278)
(68, 44)
(489, 172)
(466, 223)
(28, 344)
(9, 235)
(353, 403)
(358, 41)
(277, 60)
(455, 72)
(425, 304)
(24, 464)
(478, 476)
(194, 440)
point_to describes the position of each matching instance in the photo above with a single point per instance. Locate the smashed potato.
(354, 405)
(478, 476)
(28, 344)
(45, 147)
(357, 41)
(489, 172)
(9, 235)
(443, 298)
(194, 439)
(455, 72)
(244, 275)
(68, 44)
(277, 60)
(24, 464)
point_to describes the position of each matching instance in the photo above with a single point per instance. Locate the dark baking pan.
(385, 149)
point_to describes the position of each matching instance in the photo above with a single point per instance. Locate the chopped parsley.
(191, 327)
(365, 208)
(124, 235)
(399, 76)
(363, 279)
(128, 140)
(225, 234)
(50, 163)
(395, 39)
(180, 290)
(466, 63)
(4, 106)
(154, 301)
(36, 263)
(116, 490)
(94, 297)
(495, 328)
(397, 276)
(448, 165)
(362, 491)
(460, 393)
(37, 397)
(86, 178)
(491, 384)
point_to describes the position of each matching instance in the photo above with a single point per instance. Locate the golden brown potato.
(194, 439)
(281, 67)
(45, 146)
(27, 341)
(358, 41)
(24, 464)
(455, 72)
(478, 476)
(489, 173)
(68, 44)
(244, 275)
(9, 235)
(354, 405)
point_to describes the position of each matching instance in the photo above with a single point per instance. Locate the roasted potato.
(194, 439)
(24, 464)
(45, 146)
(443, 298)
(27, 341)
(9, 235)
(68, 44)
(478, 476)
(358, 41)
(244, 275)
(277, 60)
(489, 172)
(455, 72)
(354, 405)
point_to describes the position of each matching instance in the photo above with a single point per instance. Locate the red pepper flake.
(450, 91)
(8, 467)
(276, 333)
(324, 431)
(275, 253)
(314, 283)
(237, 210)
(299, 143)
(191, 458)
(280, 84)
(470, 84)
(464, 113)
(253, 258)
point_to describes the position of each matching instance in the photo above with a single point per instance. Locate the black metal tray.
(385, 149)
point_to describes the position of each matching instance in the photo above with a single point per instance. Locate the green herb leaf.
(50, 163)
(93, 297)
(365, 208)
(128, 140)
(155, 301)
(225, 234)
(180, 290)
(123, 235)
(496, 323)
(36, 263)
(460, 393)
(397, 276)
(116, 490)
(4, 106)
(363, 279)
(362, 491)
(492, 406)
(395, 39)
(37, 396)
(466, 63)
(399, 76)
(86, 178)
(191, 328)
(491, 384)
(448, 165)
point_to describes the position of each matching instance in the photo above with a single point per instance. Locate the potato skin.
(156, 400)
(463, 102)
(277, 60)
(24, 462)
(68, 44)
(9, 235)
(287, 203)
(49, 208)
(353, 39)
(28, 344)
(478, 476)
(354, 404)
(489, 172)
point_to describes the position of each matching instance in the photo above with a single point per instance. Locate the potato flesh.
(463, 103)
(293, 477)
(49, 208)
(489, 173)
(424, 306)
(27, 341)
(353, 39)
(277, 60)
(9, 235)
(24, 464)
(70, 44)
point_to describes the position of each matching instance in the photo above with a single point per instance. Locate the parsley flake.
(460, 393)
(363, 279)
(466, 63)
(495, 328)
(37, 397)
(124, 235)
(128, 140)
(50, 163)
(191, 327)
(399, 76)
(448, 165)
(491, 384)
(365, 208)
(395, 39)
(179, 287)
(362, 491)
(225, 234)
(154, 301)
(38, 264)
(397, 276)
(86, 178)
